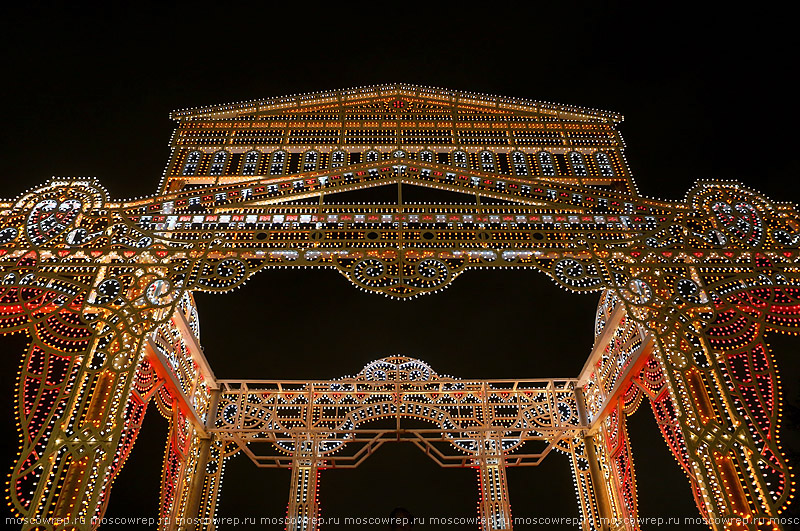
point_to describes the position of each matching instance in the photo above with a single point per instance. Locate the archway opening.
(312, 324)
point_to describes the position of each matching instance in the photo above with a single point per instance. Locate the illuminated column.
(45, 386)
(180, 463)
(145, 385)
(603, 469)
(615, 453)
(90, 423)
(590, 485)
(209, 482)
(203, 488)
(190, 485)
(303, 510)
(494, 507)
(591, 473)
(722, 457)
(82, 453)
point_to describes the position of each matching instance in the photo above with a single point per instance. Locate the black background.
(706, 92)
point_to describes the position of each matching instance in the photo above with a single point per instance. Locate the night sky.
(705, 94)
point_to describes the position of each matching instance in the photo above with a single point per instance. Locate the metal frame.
(688, 291)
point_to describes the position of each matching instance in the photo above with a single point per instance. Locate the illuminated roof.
(354, 96)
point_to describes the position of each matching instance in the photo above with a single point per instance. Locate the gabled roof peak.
(352, 95)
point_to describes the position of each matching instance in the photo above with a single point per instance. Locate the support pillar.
(721, 456)
(177, 471)
(210, 481)
(202, 488)
(590, 483)
(81, 455)
(603, 469)
(600, 485)
(494, 506)
(303, 510)
(190, 522)
(193, 517)
(621, 484)
(597, 486)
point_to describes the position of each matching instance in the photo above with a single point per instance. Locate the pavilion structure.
(687, 291)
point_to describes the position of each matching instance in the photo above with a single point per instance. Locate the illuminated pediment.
(397, 98)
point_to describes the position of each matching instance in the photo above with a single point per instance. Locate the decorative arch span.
(485, 424)
(690, 314)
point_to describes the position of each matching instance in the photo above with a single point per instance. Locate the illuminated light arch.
(688, 288)
(482, 424)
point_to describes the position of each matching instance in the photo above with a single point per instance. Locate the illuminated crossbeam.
(600, 344)
(184, 393)
(165, 371)
(195, 350)
(274, 414)
(434, 443)
(634, 366)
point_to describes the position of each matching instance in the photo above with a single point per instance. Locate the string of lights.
(689, 292)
